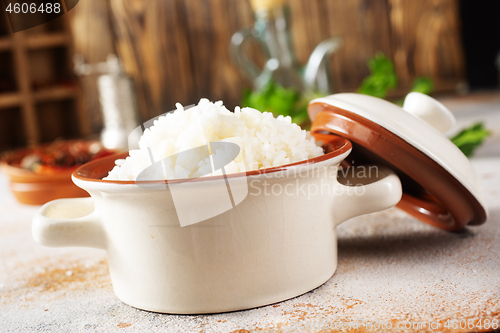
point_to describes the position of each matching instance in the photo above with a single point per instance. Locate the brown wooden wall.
(177, 50)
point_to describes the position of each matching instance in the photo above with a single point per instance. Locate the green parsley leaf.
(280, 101)
(424, 85)
(272, 98)
(471, 138)
(382, 77)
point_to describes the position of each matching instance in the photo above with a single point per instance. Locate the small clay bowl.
(34, 188)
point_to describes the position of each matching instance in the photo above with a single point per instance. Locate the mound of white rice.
(264, 141)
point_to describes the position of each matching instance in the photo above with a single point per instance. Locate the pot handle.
(69, 222)
(377, 188)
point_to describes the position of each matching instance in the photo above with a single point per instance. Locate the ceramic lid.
(440, 186)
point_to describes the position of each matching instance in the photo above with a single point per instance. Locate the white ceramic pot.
(268, 248)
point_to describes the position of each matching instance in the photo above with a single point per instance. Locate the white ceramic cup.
(268, 248)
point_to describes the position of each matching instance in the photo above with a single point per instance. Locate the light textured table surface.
(392, 270)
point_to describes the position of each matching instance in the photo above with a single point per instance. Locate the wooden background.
(177, 50)
(40, 99)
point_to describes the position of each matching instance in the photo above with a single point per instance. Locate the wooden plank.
(5, 43)
(362, 24)
(54, 94)
(192, 60)
(153, 46)
(426, 39)
(208, 30)
(23, 82)
(39, 41)
(76, 93)
(178, 50)
(8, 100)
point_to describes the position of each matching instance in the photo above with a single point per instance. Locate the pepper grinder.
(117, 98)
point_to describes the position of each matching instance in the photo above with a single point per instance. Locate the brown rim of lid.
(430, 193)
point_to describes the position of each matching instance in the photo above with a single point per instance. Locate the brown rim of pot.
(95, 170)
(431, 193)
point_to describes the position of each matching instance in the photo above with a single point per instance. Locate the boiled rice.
(264, 142)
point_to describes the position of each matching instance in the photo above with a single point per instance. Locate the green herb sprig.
(383, 78)
(280, 101)
(470, 138)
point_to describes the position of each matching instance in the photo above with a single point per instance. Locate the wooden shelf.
(8, 100)
(12, 99)
(38, 64)
(40, 41)
(5, 43)
(56, 93)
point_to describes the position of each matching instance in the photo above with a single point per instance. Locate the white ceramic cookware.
(277, 243)
(274, 237)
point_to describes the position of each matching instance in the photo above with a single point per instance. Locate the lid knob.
(429, 110)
